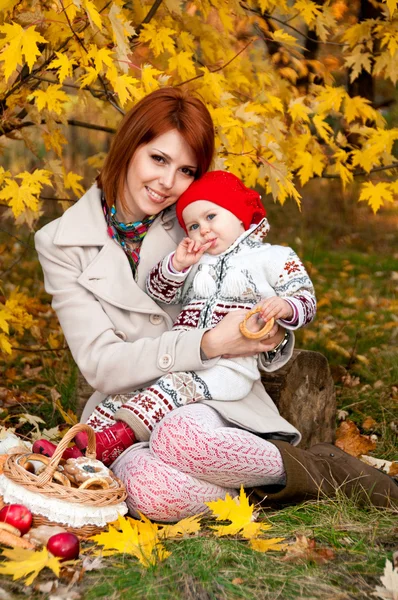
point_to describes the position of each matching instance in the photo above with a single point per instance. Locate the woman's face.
(158, 173)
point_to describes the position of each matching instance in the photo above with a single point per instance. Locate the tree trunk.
(303, 391)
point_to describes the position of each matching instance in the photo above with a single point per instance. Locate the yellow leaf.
(239, 512)
(148, 80)
(92, 13)
(298, 110)
(392, 6)
(71, 182)
(330, 98)
(324, 129)
(122, 31)
(138, 538)
(261, 545)
(126, 88)
(5, 345)
(181, 529)
(64, 64)
(20, 42)
(358, 107)
(182, 62)
(89, 77)
(28, 563)
(357, 61)
(280, 36)
(53, 98)
(4, 315)
(159, 38)
(21, 197)
(55, 140)
(308, 10)
(376, 195)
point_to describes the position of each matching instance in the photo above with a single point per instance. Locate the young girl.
(223, 265)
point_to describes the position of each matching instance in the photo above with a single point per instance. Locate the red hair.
(159, 112)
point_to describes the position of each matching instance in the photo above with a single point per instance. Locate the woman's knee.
(154, 489)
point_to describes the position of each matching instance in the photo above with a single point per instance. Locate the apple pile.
(16, 519)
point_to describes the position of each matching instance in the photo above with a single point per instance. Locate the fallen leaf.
(342, 415)
(349, 439)
(369, 423)
(378, 463)
(264, 545)
(138, 538)
(305, 549)
(350, 381)
(28, 563)
(389, 591)
(240, 513)
(93, 564)
(393, 470)
(180, 529)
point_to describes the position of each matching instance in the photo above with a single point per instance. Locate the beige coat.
(119, 337)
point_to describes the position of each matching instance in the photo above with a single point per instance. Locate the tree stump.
(303, 390)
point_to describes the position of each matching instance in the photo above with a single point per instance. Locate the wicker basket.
(46, 491)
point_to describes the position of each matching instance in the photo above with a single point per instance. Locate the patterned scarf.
(126, 234)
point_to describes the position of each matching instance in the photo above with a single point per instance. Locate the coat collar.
(109, 274)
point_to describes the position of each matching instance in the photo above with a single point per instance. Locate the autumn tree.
(290, 86)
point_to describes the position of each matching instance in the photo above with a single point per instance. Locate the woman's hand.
(188, 253)
(227, 341)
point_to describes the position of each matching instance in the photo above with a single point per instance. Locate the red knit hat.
(226, 190)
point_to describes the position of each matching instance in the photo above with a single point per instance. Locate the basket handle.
(50, 469)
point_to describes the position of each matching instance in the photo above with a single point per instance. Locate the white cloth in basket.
(60, 511)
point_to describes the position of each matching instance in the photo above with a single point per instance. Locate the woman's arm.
(109, 364)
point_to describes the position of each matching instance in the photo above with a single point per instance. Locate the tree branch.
(150, 15)
(73, 122)
(218, 68)
(40, 349)
(359, 173)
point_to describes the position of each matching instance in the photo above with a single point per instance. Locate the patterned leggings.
(194, 457)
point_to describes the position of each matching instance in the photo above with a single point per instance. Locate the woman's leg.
(196, 440)
(161, 492)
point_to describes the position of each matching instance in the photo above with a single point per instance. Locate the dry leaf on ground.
(305, 549)
(389, 591)
(349, 439)
(28, 563)
(262, 545)
(369, 423)
(240, 513)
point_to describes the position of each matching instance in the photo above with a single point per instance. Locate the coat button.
(165, 361)
(121, 335)
(155, 319)
(168, 225)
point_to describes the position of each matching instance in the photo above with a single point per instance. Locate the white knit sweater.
(247, 272)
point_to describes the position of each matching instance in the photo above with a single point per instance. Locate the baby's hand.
(188, 253)
(276, 307)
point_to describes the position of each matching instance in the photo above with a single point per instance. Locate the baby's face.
(207, 221)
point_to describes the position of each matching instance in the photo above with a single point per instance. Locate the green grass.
(205, 567)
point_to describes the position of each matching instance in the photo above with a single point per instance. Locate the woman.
(95, 268)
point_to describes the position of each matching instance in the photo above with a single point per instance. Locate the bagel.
(255, 335)
(95, 483)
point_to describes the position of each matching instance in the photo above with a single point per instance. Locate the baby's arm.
(294, 304)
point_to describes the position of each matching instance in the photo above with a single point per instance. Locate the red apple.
(18, 516)
(64, 545)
